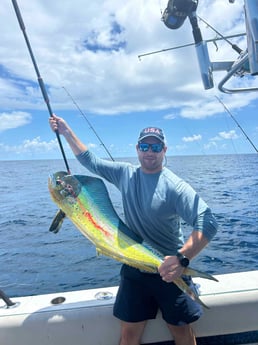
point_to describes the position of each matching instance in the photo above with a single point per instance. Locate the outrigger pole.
(231, 115)
(40, 80)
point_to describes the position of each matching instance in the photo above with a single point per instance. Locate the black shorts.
(140, 295)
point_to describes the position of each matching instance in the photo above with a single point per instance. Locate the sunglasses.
(144, 147)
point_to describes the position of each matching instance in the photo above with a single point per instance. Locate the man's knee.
(131, 333)
(182, 334)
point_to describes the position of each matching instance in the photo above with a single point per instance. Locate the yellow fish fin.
(186, 289)
(195, 273)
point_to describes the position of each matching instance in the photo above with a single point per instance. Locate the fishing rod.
(233, 46)
(231, 115)
(40, 80)
(190, 44)
(91, 127)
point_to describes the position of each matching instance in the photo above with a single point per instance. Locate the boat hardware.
(6, 299)
(58, 300)
(246, 63)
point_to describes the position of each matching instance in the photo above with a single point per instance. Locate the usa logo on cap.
(152, 132)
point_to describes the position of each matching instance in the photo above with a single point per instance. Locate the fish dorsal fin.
(96, 192)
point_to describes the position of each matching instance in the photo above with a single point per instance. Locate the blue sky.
(92, 52)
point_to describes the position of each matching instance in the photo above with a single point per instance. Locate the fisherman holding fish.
(154, 200)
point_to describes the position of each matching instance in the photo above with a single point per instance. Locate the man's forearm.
(74, 142)
(195, 243)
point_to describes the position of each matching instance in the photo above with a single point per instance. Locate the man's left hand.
(170, 269)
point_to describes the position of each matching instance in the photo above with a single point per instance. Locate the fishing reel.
(177, 11)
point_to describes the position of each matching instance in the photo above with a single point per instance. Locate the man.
(154, 200)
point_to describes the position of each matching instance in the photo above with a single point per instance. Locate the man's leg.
(131, 332)
(183, 335)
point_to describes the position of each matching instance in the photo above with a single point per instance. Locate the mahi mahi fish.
(86, 202)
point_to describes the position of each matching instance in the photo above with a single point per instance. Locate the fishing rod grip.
(45, 96)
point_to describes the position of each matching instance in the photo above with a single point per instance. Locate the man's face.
(151, 162)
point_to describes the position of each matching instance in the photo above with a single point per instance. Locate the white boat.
(85, 317)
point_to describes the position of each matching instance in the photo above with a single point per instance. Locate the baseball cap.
(152, 132)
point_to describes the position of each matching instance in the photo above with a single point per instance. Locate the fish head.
(63, 187)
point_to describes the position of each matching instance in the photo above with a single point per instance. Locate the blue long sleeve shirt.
(154, 203)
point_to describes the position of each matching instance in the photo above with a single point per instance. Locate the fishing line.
(91, 127)
(242, 130)
(40, 80)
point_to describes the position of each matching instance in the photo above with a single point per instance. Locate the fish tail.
(196, 273)
(181, 284)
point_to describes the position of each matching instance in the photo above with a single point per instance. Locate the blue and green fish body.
(86, 202)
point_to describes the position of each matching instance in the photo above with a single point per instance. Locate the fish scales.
(86, 202)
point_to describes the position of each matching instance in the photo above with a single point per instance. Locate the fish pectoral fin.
(104, 251)
(57, 222)
(195, 273)
(181, 284)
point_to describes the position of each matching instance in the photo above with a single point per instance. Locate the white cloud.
(170, 117)
(91, 145)
(211, 145)
(93, 51)
(13, 120)
(195, 137)
(226, 136)
(36, 145)
(30, 146)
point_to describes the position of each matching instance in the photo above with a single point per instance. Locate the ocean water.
(36, 261)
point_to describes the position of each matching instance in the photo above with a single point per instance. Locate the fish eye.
(69, 188)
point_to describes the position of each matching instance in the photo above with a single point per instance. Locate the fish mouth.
(51, 181)
(64, 185)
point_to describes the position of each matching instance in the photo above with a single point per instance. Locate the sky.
(87, 53)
